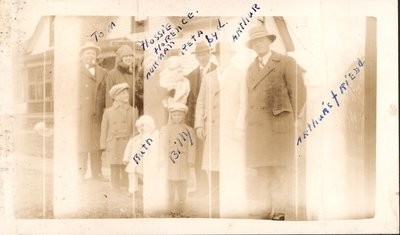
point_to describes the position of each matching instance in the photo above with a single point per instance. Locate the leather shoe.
(278, 216)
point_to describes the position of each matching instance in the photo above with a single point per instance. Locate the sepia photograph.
(180, 117)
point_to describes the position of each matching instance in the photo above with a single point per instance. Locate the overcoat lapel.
(86, 72)
(268, 68)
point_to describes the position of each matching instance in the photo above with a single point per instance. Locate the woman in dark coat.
(124, 72)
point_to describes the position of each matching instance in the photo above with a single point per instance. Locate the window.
(40, 88)
(138, 24)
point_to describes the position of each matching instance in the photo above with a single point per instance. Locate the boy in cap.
(116, 129)
(178, 148)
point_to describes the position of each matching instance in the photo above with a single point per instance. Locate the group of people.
(147, 161)
(102, 97)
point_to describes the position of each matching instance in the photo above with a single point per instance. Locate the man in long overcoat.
(92, 89)
(203, 55)
(273, 93)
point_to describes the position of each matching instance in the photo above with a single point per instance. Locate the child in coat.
(178, 149)
(143, 166)
(116, 128)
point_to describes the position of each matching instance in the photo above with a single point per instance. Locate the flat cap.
(118, 88)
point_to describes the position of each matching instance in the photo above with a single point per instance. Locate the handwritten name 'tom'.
(101, 34)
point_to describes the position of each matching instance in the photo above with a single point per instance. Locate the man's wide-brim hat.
(89, 45)
(201, 47)
(259, 32)
(116, 89)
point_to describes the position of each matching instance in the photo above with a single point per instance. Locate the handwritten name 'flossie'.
(163, 41)
(167, 31)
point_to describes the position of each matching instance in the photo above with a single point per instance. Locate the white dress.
(149, 165)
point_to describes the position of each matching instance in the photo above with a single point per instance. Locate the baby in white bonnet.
(174, 81)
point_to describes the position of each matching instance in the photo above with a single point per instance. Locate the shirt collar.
(205, 68)
(121, 105)
(89, 66)
(265, 58)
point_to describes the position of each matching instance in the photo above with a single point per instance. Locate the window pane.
(39, 74)
(31, 75)
(39, 93)
(32, 92)
(48, 72)
(49, 90)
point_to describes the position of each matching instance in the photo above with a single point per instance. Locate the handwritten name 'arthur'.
(243, 23)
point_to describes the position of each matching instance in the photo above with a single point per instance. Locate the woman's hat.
(116, 89)
(201, 47)
(177, 107)
(124, 50)
(259, 32)
(89, 45)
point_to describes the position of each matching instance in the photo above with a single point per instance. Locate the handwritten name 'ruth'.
(145, 148)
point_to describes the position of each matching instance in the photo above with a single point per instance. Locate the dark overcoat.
(116, 130)
(195, 80)
(274, 95)
(119, 75)
(92, 95)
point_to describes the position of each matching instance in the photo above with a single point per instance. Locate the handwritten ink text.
(174, 154)
(327, 107)
(243, 23)
(209, 38)
(101, 34)
(163, 41)
(145, 148)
